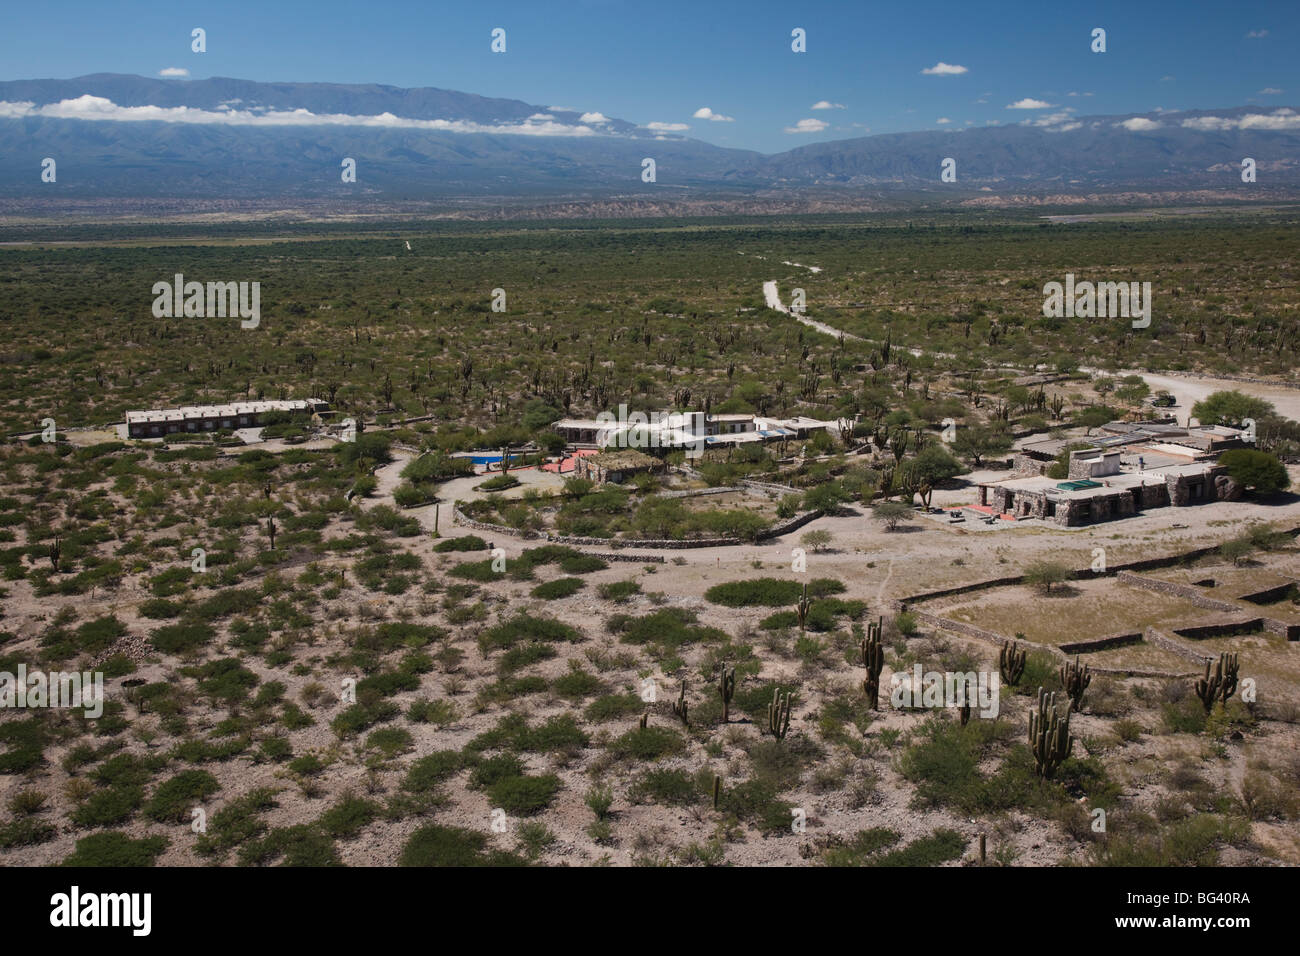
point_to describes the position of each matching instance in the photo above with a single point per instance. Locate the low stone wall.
(631, 558)
(959, 589)
(1200, 632)
(1270, 595)
(675, 544)
(1188, 592)
(768, 487)
(1100, 643)
(791, 524)
(459, 517)
(990, 637)
(697, 492)
(1166, 643)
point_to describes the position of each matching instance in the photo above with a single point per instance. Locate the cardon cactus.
(1220, 685)
(727, 690)
(803, 607)
(778, 714)
(1011, 662)
(1049, 735)
(1075, 680)
(680, 707)
(873, 659)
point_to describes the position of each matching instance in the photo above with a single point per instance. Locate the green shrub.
(427, 772)
(175, 798)
(114, 849)
(769, 592)
(939, 847)
(108, 806)
(178, 638)
(348, 817)
(652, 743)
(436, 845)
(667, 787)
(559, 588)
(524, 795)
(466, 542)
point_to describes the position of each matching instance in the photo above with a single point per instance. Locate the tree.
(1061, 467)
(1043, 574)
(892, 513)
(1094, 416)
(978, 442)
(1230, 408)
(1257, 470)
(1236, 550)
(827, 497)
(816, 540)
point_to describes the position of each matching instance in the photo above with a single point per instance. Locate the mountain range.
(114, 135)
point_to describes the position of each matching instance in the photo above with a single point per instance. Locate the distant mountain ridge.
(121, 135)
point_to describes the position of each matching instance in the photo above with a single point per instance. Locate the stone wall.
(1100, 643)
(675, 544)
(1187, 592)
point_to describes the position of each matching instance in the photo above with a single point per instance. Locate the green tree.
(1230, 408)
(977, 442)
(1043, 574)
(892, 513)
(1256, 470)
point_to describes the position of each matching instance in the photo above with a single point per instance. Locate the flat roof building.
(157, 423)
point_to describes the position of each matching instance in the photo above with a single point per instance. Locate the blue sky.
(663, 60)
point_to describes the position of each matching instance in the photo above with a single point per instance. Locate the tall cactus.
(1049, 735)
(1075, 680)
(1011, 662)
(727, 690)
(802, 608)
(778, 714)
(1220, 685)
(680, 707)
(56, 553)
(873, 659)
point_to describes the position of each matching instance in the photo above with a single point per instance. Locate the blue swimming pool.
(488, 459)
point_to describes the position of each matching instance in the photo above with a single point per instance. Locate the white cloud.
(944, 69)
(1256, 34)
(593, 118)
(1138, 124)
(1166, 79)
(808, 126)
(174, 71)
(1029, 104)
(826, 105)
(1277, 120)
(943, 121)
(1051, 119)
(100, 109)
(705, 113)
(667, 127)
(1271, 91)
(541, 116)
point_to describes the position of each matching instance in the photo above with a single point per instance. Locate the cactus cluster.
(680, 707)
(1049, 735)
(1011, 662)
(1220, 685)
(873, 659)
(778, 714)
(56, 553)
(727, 690)
(1075, 680)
